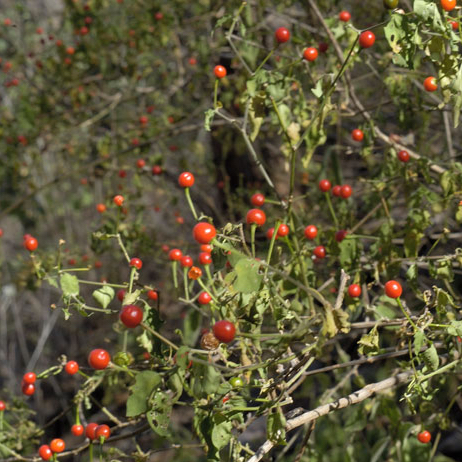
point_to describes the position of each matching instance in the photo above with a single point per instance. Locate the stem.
(1, 420)
(185, 283)
(190, 202)
(268, 56)
(411, 322)
(159, 336)
(121, 244)
(90, 451)
(124, 344)
(331, 208)
(94, 283)
(253, 227)
(132, 276)
(271, 247)
(215, 96)
(207, 290)
(175, 279)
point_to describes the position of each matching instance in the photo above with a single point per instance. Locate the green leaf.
(276, 428)
(104, 295)
(431, 358)
(419, 340)
(455, 328)
(209, 116)
(248, 278)
(206, 380)
(159, 413)
(69, 284)
(221, 431)
(369, 343)
(130, 298)
(145, 384)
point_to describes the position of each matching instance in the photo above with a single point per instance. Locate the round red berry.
(219, 71)
(320, 251)
(324, 185)
(118, 200)
(282, 35)
(175, 255)
(140, 163)
(101, 208)
(29, 377)
(156, 170)
(257, 199)
(77, 430)
(283, 230)
(346, 191)
(357, 134)
(448, 5)
(205, 258)
(424, 437)
(186, 179)
(430, 84)
(31, 244)
(57, 445)
(366, 39)
(224, 331)
(186, 261)
(131, 315)
(336, 190)
(204, 232)
(136, 262)
(28, 389)
(404, 156)
(354, 290)
(121, 295)
(72, 367)
(311, 232)
(2, 406)
(393, 289)
(256, 216)
(99, 359)
(45, 452)
(344, 16)
(340, 235)
(310, 54)
(90, 430)
(204, 298)
(153, 295)
(103, 431)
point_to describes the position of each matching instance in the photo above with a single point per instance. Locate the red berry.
(430, 84)
(205, 258)
(424, 437)
(366, 39)
(269, 234)
(186, 179)
(204, 298)
(310, 54)
(140, 163)
(2, 406)
(283, 230)
(357, 134)
(45, 452)
(153, 295)
(344, 16)
(57, 445)
(131, 315)
(346, 191)
(136, 262)
(71, 367)
(144, 120)
(175, 255)
(186, 261)
(159, 15)
(454, 25)
(354, 290)
(31, 244)
(393, 289)
(448, 5)
(99, 359)
(224, 331)
(204, 232)
(320, 251)
(324, 185)
(282, 35)
(101, 208)
(404, 156)
(103, 431)
(257, 200)
(311, 232)
(256, 216)
(206, 248)
(77, 430)
(156, 170)
(70, 50)
(219, 71)
(336, 190)
(118, 200)
(121, 294)
(29, 377)
(323, 47)
(340, 235)
(28, 389)
(90, 431)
